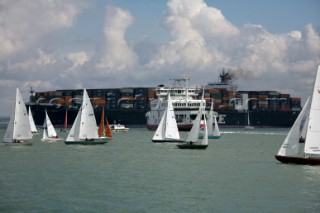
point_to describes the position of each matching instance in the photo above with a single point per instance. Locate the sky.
(74, 44)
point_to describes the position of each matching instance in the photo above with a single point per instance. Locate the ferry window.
(192, 117)
(179, 118)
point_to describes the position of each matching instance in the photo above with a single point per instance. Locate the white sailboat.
(167, 130)
(192, 141)
(50, 134)
(289, 149)
(84, 129)
(18, 130)
(213, 131)
(248, 126)
(32, 124)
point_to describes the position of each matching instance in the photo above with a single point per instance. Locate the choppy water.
(237, 173)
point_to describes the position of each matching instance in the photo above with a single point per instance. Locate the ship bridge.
(177, 93)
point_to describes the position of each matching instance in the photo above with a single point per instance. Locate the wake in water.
(256, 132)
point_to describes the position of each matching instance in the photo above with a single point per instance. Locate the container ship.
(143, 106)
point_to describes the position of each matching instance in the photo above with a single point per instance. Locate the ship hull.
(137, 117)
(57, 115)
(181, 127)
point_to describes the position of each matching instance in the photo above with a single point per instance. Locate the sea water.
(237, 173)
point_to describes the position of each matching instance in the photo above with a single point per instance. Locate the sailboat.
(50, 134)
(248, 126)
(167, 130)
(213, 132)
(84, 129)
(289, 149)
(19, 129)
(192, 141)
(104, 130)
(32, 124)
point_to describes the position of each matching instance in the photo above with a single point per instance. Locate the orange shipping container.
(296, 99)
(127, 97)
(60, 101)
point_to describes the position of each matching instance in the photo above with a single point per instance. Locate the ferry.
(185, 102)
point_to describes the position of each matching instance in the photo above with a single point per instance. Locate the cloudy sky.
(72, 44)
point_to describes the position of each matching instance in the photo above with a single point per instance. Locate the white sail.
(32, 124)
(194, 132)
(290, 145)
(50, 128)
(210, 120)
(44, 136)
(75, 129)
(305, 121)
(171, 131)
(85, 125)
(167, 128)
(204, 141)
(312, 144)
(8, 136)
(159, 134)
(88, 125)
(19, 125)
(216, 131)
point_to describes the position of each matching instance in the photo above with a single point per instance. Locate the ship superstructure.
(185, 101)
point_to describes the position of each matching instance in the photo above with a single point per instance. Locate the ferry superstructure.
(185, 102)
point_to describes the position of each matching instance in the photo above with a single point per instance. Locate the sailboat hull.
(51, 139)
(85, 142)
(211, 137)
(249, 127)
(298, 160)
(214, 136)
(167, 141)
(192, 146)
(21, 142)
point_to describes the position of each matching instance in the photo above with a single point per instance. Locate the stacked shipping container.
(138, 98)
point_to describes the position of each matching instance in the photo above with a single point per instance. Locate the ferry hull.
(181, 127)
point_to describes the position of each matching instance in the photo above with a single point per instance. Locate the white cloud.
(23, 23)
(44, 59)
(78, 59)
(196, 31)
(37, 49)
(117, 54)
